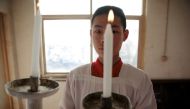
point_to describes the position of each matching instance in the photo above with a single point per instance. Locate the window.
(66, 32)
(67, 44)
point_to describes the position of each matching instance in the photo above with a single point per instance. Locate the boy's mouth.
(101, 48)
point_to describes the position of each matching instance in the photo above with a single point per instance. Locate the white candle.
(36, 45)
(108, 57)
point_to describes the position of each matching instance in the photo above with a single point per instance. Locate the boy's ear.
(126, 33)
(90, 32)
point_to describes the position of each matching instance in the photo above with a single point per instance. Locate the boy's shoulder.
(134, 74)
(83, 69)
(133, 70)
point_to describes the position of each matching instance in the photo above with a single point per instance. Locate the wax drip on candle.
(108, 57)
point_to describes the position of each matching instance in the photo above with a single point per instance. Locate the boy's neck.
(97, 68)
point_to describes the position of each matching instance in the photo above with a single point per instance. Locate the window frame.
(61, 76)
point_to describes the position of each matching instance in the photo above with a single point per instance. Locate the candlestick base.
(22, 88)
(34, 84)
(106, 103)
(96, 101)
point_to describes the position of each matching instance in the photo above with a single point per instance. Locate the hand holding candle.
(108, 57)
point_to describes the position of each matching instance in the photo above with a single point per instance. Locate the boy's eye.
(98, 31)
(116, 32)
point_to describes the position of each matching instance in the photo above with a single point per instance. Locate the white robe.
(132, 82)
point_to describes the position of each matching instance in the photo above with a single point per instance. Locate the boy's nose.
(102, 39)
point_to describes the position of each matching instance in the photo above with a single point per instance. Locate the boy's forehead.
(101, 22)
(103, 19)
(100, 18)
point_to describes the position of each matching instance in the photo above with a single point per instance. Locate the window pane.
(129, 48)
(130, 7)
(54, 7)
(67, 44)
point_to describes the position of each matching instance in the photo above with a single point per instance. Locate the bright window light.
(66, 44)
(68, 7)
(130, 7)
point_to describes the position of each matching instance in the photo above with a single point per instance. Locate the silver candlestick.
(33, 89)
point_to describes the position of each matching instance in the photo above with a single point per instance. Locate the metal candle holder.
(96, 101)
(34, 84)
(33, 89)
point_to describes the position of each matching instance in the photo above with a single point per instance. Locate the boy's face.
(97, 34)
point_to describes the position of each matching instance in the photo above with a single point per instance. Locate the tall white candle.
(36, 45)
(108, 57)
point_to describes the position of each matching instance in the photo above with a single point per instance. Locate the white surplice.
(132, 82)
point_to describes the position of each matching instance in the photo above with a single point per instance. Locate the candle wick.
(110, 22)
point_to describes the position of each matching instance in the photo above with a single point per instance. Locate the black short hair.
(116, 10)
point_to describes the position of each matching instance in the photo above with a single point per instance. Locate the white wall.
(22, 11)
(178, 64)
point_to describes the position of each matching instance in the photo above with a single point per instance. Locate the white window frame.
(140, 18)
